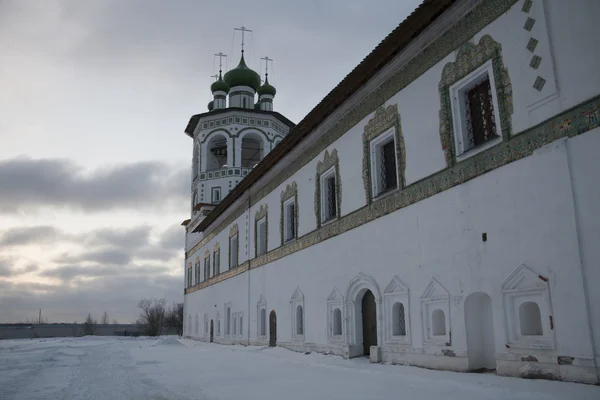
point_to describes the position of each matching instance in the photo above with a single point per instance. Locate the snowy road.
(137, 368)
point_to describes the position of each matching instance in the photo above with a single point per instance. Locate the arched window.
(398, 320)
(217, 151)
(228, 321)
(530, 319)
(252, 149)
(241, 325)
(438, 322)
(263, 322)
(234, 326)
(337, 322)
(299, 321)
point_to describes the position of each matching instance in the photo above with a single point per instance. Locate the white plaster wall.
(583, 163)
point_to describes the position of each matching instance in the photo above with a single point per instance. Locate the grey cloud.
(31, 184)
(8, 268)
(121, 238)
(156, 253)
(22, 236)
(69, 273)
(107, 256)
(173, 238)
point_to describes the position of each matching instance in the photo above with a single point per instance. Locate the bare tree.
(152, 318)
(89, 326)
(175, 318)
(104, 320)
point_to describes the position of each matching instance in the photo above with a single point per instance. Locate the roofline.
(193, 123)
(385, 51)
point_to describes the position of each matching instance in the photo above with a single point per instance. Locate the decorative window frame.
(234, 325)
(206, 329)
(198, 270)
(288, 196)
(298, 300)
(396, 292)
(385, 120)
(335, 300)
(261, 214)
(234, 232)
(470, 58)
(262, 304)
(216, 265)
(435, 297)
(213, 190)
(240, 330)
(189, 275)
(329, 164)
(525, 284)
(227, 326)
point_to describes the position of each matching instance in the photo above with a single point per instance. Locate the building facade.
(439, 208)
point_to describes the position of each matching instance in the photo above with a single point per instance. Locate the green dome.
(267, 88)
(242, 76)
(211, 105)
(219, 85)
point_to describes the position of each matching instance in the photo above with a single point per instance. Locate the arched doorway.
(479, 323)
(272, 329)
(369, 322)
(212, 331)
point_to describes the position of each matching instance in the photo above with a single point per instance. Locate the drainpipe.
(580, 253)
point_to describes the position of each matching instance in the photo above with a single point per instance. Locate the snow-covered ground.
(98, 368)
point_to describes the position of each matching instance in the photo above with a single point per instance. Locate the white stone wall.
(539, 215)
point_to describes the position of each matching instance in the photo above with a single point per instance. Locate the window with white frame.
(384, 169)
(335, 303)
(227, 319)
(217, 262)
(235, 318)
(527, 310)
(241, 324)
(233, 251)
(329, 195)
(289, 219)
(189, 275)
(261, 310)
(435, 308)
(475, 111)
(197, 269)
(297, 303)
(218, 324)
(396, 300)
(215, 194)
(261, 237)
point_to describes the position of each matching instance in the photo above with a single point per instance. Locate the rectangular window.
(233, 251)
(261, 237)
(389, 180)
(206, 268)
(289, 210)
(189, 280)
(216, 262)
(328, 196)
(215, 194)
(384, 172)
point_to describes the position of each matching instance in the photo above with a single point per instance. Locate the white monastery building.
(440, 207)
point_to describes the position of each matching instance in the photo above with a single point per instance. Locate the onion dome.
(211, 106)
(219, 85)
(242, 76)
(267, 88)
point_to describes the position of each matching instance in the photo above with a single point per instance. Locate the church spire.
(219, 88)
(266, 92)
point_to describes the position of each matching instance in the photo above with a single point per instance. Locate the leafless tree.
(175, 318)
(152, 318)
(89, 326)
(104, 320)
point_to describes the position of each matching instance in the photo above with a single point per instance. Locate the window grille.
(291, 221)
(481, 122)
(299, 321)
(330, 199)
(262, 238)
(387, 168)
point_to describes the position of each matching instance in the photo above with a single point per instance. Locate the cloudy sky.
(94, 164)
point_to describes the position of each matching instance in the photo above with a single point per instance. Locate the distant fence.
(30, 331)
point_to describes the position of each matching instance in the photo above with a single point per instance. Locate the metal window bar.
(291, 225)
(331, 207)
(399, 320)
(481, 126)
(387, 166)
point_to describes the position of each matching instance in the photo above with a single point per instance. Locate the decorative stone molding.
(384, 119)
(435, 298)
(329, 160)
(262, 212)
(468, 58)
(291, 191)
(234, 230)
(207, 254)
(217, 247)
(480, 16)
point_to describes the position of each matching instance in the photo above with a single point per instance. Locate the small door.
(369, 322)
(212, 330)
(272, 329)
